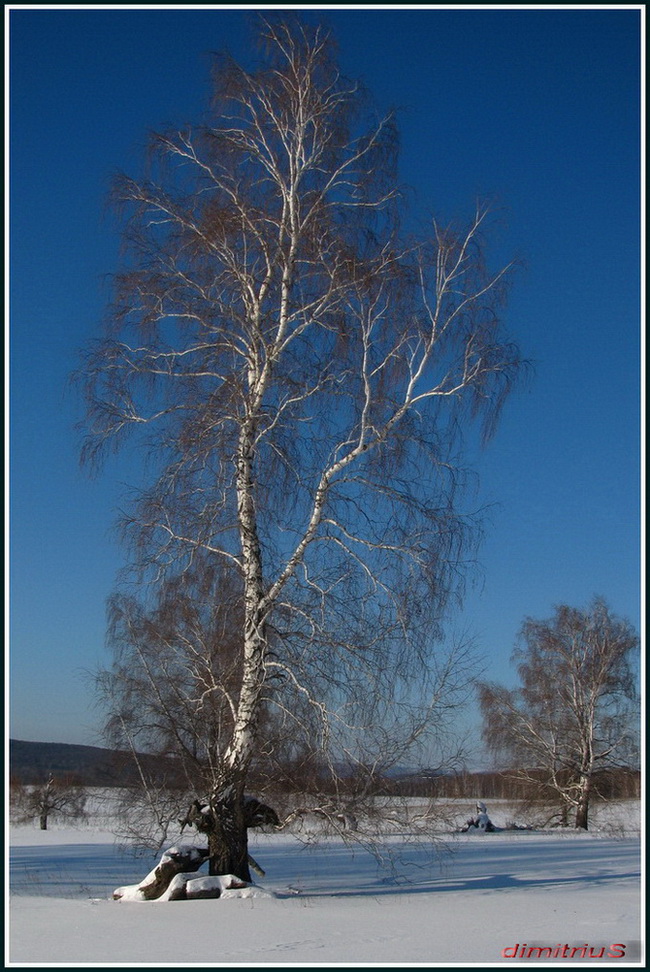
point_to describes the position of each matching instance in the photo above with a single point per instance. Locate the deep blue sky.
(538, 109)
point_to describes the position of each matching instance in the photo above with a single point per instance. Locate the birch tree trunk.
(228, 840)
(582, 810)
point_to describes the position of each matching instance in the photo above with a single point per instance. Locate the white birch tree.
(575, 711)
(301, 373)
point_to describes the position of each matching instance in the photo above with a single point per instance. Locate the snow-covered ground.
(573, 894)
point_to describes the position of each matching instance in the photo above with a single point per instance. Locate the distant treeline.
(611, 783)
(33, 763)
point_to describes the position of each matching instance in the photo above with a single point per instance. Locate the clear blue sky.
(536, 108)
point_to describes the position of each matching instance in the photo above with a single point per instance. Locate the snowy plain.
(335, 905)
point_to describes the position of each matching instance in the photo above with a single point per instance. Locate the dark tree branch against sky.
(537, 110)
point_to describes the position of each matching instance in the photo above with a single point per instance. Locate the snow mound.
(184, 886)
(188, 887)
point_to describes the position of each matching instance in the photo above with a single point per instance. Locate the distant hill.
(34, 762)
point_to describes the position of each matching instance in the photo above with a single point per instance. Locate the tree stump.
(177, 860)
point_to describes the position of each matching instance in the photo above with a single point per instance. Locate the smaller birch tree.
(574, 711)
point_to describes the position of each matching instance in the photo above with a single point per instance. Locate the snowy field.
(330, 904)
